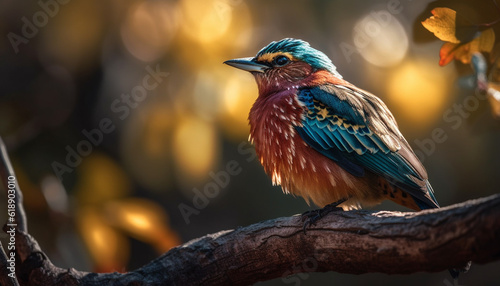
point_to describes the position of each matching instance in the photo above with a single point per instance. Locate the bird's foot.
(455, 272)
(311, 217)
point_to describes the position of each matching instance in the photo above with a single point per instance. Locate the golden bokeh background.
(153, 70)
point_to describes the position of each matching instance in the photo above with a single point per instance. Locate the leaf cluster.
(471, 43)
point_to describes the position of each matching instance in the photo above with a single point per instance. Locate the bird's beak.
(247, 64)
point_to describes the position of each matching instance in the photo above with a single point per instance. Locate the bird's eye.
(281, 61)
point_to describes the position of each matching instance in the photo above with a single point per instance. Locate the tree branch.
(345, 242)
(5, 279)
(6, 171)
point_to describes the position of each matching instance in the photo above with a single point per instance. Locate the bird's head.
(283, 64)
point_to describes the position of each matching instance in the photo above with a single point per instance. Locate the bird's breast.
(272, 130)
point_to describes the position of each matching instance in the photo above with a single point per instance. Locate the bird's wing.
(356, 130)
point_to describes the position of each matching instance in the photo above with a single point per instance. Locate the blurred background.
(118, 114)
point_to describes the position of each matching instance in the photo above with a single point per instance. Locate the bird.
(326, 140)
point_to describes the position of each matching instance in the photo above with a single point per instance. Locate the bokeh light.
(149, 28)
(380, 38)
(494, 89)
(239, 94)
(195, 146)
(72, 38)
(143, 220)
(418, 90)
(206, 93)
(100, 179)
(146, 145)
(213, 30)
(109, 249)
(206, 21)
(55, 195)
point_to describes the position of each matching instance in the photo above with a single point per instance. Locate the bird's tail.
(416, 199)
(429, 201)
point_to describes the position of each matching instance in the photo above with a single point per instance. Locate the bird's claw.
(455, 272)
(311, 217)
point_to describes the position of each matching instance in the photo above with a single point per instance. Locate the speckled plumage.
(324, 139)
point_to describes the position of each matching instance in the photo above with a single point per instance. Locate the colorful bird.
(322, 138)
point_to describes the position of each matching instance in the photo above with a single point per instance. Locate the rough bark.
(345, 242)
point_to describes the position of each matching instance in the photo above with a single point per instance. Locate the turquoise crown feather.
(303, 51)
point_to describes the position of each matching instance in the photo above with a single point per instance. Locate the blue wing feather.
(332, 153)
(349, 132)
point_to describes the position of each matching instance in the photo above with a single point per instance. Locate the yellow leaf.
(442, 24)
(464, 52)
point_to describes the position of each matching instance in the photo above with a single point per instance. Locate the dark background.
(119, 207)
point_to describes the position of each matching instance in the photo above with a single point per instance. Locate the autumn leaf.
(465, 42)
(462, 38)
(442, 24)
(463, 52)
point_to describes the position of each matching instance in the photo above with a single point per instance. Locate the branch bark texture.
(346, 242)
